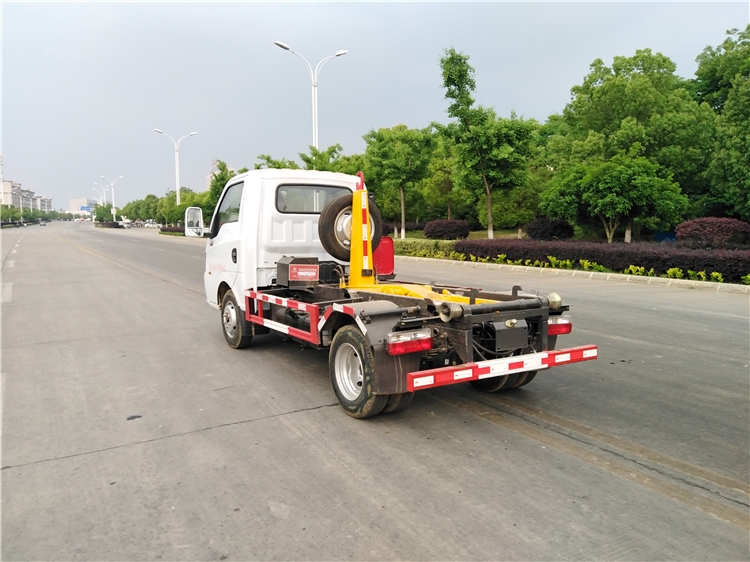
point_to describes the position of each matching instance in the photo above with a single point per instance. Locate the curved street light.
(112, 186)
(102, 193)
(176, 160)
(314, 80)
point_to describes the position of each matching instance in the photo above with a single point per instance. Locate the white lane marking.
(7, 292)
(14, 252)
(11, 263)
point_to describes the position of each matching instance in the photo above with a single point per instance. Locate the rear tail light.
(398, 343)
(559, 325)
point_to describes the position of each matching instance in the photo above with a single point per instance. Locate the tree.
(625, 188)
(730, 167)
(440, 187)
(639, 100)
(492, 151)
(717, 68)
(269, 162)
(10, 213)
(218, 180)
(103, 213)
(323, 160)
(397, 161)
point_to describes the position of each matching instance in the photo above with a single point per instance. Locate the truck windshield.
(306, 199)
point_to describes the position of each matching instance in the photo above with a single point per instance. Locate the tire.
(397, 402)
(351, 363)
(334, 226)
(494, 384)
(233, 325)
(525, 380)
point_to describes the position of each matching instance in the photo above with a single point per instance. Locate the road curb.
(621, 277)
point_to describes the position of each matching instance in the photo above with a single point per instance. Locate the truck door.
(222, 250)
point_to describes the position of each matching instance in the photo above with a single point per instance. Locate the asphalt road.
(131, 431)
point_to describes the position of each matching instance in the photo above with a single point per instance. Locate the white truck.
(291, 251)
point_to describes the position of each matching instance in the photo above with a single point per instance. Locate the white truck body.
(269, 268)
(262, 231)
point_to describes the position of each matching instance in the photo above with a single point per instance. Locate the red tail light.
(399, 343)
(559, 325)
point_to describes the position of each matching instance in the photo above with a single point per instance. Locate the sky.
(85, 84)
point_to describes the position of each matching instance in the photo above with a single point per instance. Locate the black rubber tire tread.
(494, 384)
(397, 402)
(367, 404)
(242, 337)
(327, 226)
(527, 379)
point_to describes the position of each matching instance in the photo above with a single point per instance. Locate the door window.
(229, 209)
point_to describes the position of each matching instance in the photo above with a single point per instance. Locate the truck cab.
(261, 216)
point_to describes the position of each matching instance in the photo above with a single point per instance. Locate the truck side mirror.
(194, 222)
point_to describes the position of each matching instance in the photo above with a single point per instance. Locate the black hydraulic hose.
(506, 306)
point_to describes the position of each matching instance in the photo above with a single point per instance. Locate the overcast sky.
(85, 84)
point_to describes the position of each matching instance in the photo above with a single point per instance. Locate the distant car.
(42, 223)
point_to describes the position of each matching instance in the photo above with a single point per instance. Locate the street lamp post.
(314, 80)
(176, 160)
(102, 193)
(112, 186)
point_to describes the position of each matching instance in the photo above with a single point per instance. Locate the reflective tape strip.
(348, 310)
(443, 376)
(423, 381)
(289, 303)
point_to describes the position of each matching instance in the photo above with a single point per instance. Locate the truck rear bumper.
(442, 376)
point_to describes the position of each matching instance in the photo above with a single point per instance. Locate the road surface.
(131, 431)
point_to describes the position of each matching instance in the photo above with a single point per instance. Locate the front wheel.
(351, 363)
(233, 324)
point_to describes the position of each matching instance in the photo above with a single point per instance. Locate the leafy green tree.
(441, 189)
(730, 168)
(639, 100)
(267, 161)
(103, 213)
(718, 67)
(350, 164)
(397, 160)
(323, 160)
(218, 180)
(620, 190)
(492, 151)
(10, 213)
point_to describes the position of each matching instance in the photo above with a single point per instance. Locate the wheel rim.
(348, 367)
(343, 227)
(229, 319)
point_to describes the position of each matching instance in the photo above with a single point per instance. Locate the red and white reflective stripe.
(443, 376)
(365, 232)
(344, 309)
(312, 336)
(289, 303)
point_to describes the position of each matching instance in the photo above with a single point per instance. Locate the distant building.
(76, 204)
(15, 195)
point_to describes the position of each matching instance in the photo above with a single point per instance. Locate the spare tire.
(335, 226)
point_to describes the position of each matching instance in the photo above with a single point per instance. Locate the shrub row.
(637, 258)
(712, 232)
(443, 229)
(111, 224)
(172, 229)
(542, 228)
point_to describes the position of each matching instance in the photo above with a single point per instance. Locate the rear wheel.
(495, 383)
(351, 363)
(233, 325)
(397, 402)
(529, 376)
